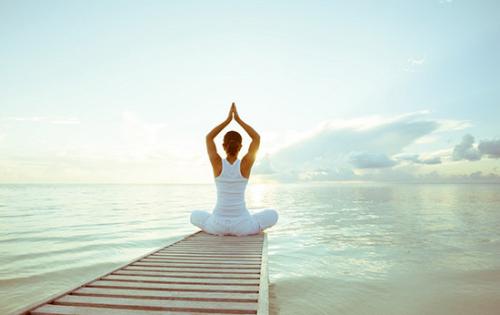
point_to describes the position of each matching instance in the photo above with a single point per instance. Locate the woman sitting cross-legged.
(230, 215)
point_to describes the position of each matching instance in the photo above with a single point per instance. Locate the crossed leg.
(258, 222)
(266, 218)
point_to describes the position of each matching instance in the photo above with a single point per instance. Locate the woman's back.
(231, 186)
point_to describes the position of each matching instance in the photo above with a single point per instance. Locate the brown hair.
(232, 142)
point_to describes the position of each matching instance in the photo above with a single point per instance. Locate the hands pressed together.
(233, 113)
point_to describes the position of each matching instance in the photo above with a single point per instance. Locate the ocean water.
(337, 248)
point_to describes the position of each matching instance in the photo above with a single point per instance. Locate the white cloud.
(3, 134)
(426, 139)
(263, 166)
(491, 148)
(416, 61)
(138, 138)
(446, 125)
(474, 177)
(468, 150)
(416, 158)
(130, 149)
(370, 160)
(49, 120)
(68, 121)
(430, 161)
(332, 144)
(366, 148)
(414, 64)
(402, 175)
(336, 174)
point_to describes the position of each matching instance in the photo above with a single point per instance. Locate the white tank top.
(231, 187)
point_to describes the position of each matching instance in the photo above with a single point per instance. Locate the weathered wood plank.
(180, 280)
(187, 275)
(214, 249)
(50, 309)
(205, 259)
(194, 270)
(204, 265)
(235, 245)
(175, 287)
(212, 243)
(230, 238)
(166, 254)
(199, 266)
(208, 252)
(167, 305)
(243, 297)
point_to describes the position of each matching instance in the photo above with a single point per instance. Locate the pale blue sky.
(113, 91)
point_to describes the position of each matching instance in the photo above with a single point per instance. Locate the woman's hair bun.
(232, 139)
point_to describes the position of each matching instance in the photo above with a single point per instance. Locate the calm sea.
(337, 248)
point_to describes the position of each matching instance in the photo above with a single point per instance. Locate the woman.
(230, 215)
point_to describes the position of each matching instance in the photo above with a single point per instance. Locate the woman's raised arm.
(250, 157)
(214, 157)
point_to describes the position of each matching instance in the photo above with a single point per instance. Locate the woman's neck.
(231, 158)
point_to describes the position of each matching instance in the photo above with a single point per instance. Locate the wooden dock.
(199, 274)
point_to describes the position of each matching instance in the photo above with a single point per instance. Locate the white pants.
(240, 226)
